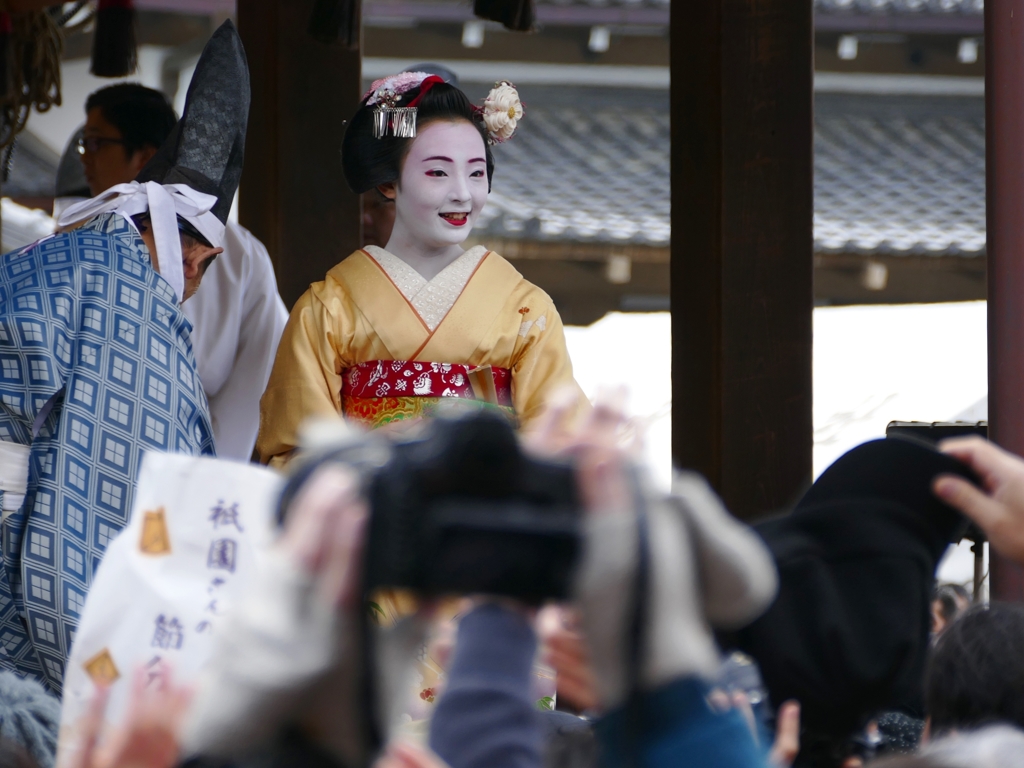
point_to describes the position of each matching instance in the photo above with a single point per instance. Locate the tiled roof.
(899, 174)
(33, 168)
(606, 3)
(586, 164)
(827, 6)
(968, 7)
(893, 174)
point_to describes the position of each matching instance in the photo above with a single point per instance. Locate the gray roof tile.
(966, 7)
(898, 175)
(33, 168)
(585, 166)
(971, 7)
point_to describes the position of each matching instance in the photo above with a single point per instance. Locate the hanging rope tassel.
(6, 52)
(517, 15)
(35, 45)
(114, 50)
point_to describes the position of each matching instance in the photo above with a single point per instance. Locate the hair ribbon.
(425, 86)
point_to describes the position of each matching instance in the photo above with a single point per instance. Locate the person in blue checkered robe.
(96, 367)
(96, 362)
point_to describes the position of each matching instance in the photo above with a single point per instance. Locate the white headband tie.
(165, 202)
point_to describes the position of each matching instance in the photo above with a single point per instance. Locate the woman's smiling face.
(443, 184)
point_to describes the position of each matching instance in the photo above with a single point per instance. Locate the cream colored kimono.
(372, 306)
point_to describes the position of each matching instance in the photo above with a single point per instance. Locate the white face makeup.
(443, 187)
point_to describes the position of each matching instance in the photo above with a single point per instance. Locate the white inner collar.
(432, 299)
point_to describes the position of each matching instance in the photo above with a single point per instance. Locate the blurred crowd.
(668, 651)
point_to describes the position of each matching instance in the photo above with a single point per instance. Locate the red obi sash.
(378, 392)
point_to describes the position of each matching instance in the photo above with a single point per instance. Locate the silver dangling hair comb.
(399, 122)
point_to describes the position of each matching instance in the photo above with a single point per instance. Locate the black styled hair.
(976, 673)
(368, 162)
(950, 597)
(143, 115)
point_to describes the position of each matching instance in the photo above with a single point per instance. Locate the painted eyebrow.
(449, 160)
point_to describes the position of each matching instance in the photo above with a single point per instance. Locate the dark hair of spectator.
(143, 115)
(13, 755)
(368, 162)
(976, 672)
(950, 597)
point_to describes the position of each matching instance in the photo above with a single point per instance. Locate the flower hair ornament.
(502, 112)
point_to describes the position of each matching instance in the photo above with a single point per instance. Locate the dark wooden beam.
(1004, 181)
(742, 121)
(293, 196)
(853, 278)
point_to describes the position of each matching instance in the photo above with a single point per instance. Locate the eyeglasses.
(95, 143)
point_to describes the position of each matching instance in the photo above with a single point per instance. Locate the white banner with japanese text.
(199, 529)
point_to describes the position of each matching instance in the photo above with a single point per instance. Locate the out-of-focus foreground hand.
(786, 746)
(323, 533)
(289, 630)
(148, 739)
(565, 651)
(606, 574)
(787, 735)
(402, 754)
(597, 447)
(999, 508)
(705, 567)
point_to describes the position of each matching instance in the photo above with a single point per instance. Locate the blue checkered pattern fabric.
(96, 367)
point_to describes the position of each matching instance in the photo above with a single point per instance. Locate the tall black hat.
(848, 633)
(206, 148)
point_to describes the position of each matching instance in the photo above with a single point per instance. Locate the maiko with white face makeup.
(392, 332)
(440, 192)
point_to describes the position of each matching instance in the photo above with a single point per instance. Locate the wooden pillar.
(1004, 181)
(742, 207)
(293, 196)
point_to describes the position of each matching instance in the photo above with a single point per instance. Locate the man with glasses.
(238, 318)
(125, 124)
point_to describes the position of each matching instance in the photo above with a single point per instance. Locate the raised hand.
(565, 651)
(324, 532)
(998, 508)
(149, 736)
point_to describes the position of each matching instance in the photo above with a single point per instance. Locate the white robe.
(237, 317)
